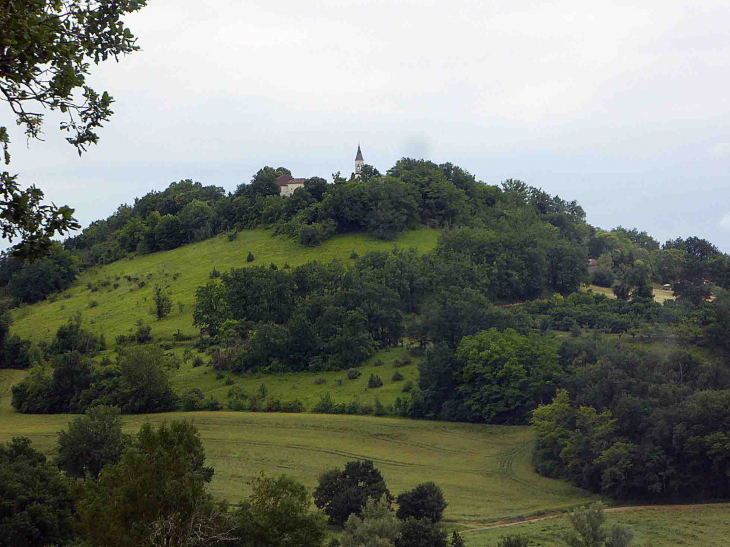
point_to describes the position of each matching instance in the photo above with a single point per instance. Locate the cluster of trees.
(137, 382)
(358, 498)
(629, 261)
(633, 423)
(106, 488)
(28, 282)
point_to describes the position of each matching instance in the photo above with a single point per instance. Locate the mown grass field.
(655, 526)
(112, 311)
(484, 471)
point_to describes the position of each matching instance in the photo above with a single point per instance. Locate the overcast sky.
(623, 106)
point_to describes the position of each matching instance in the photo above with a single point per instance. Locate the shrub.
(425, 501)
(378, 363)
(324, 405)
(198, 361)
(375, 381)
(397, 376)
(353, 374)
(93, 304)
(397, 363)
(320, 381)
(215, 273)
(339, 381)
(419, 533)
(250, 257)
(229, 381)
(514, 541)
(456, 540)
(407, 387)
(354, 255)
(232, 236)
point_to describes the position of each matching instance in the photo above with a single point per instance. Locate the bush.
(229, 381)
(514, 541)
(407, 387)
(353, 374)
(425, 501)
(250, 257)
(320, 381)
(397, 376)
(198, 361)
(93, 304)
(375, 381)
(215, 273)
(420, 533)
(378, 363)
(232, 236)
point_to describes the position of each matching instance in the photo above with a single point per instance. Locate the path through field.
(484, 471)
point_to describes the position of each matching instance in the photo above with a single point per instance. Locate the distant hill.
(122, 290)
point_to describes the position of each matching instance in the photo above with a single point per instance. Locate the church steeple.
(359, 162)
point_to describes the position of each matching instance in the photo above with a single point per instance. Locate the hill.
(113, 297)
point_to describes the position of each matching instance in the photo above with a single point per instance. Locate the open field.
(655, 526)
(485, 471)
(184, 270)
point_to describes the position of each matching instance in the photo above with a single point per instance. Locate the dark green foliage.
(161, 302)
(514, 541)
(250, 257)
(276, 515)
(91, 442)
(37, 280)
(397, 377)
(421, 533)
(425, 501)
(72, 337)
(375, 381)
(353, 374)
(143, 382)
(36, 505)
(456, 540)
(341, 493)
(157, 487)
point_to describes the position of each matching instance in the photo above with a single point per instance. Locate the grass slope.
(655, 526)
(302, 386)
(184, 269)
(485, 471)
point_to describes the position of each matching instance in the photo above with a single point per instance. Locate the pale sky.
(623, 106)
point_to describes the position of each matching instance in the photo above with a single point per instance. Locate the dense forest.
(627, 396)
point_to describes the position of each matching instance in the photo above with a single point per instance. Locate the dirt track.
(515, 522)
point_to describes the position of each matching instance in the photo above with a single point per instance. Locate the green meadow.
(484, 471)
(654, 526)
(111, 303)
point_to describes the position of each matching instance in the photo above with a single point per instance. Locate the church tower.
(359, 162)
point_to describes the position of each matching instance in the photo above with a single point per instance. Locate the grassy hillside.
(307, 387)
(112, 311)
(655, 526)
